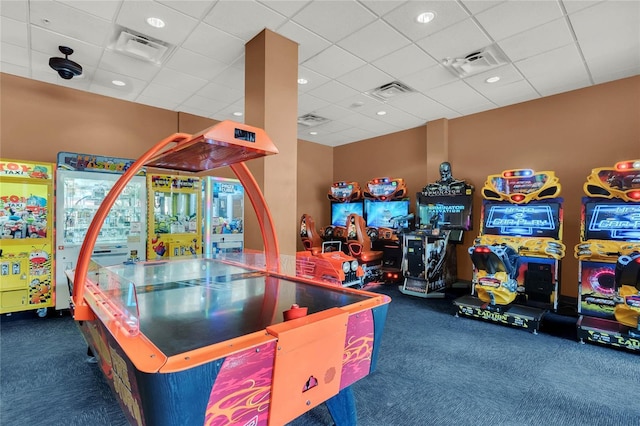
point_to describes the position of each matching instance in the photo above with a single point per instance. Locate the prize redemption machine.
(386, 207)
(222, 215)
(516, 257)
(175, 229)
(444, 212)
(609, 257)
(83, 181)
(26, 243)
(225, 340)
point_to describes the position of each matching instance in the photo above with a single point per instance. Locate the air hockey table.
(204, 341)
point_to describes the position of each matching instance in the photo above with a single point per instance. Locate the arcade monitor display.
(340, 212)
(523, 220)
(382, 214)
(611, 220)
(445, 212)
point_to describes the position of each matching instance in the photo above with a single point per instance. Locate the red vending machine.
(26, 246)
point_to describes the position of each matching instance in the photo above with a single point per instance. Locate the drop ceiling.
(347, 49)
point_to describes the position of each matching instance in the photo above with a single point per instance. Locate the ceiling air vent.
(141, 47)
(310, 120)
(389, 90)
(475, 62)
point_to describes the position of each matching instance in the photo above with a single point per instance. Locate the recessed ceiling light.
(302, 81)
(118, 83)
(313, 133)
(155, 22)
(381, 112)
(493, 79)
(237, 114)
(426, 17)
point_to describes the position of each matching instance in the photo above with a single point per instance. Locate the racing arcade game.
(609, 257)
(516, 257)
(429, 254)
(346, 198)
(386, 207)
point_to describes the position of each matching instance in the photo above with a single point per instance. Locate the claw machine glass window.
(175, 228)
(223, 216)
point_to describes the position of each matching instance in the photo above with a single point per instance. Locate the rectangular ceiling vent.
(310, 120)
(475, 62)
(389, 90)
(141, 47)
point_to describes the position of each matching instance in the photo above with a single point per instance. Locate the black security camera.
(65, 67)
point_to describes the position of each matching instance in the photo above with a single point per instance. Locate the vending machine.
(223, 216)
(26, 243)
(83, 180)
(175, 209)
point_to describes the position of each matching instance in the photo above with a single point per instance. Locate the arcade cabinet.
(609, 257)
(212, 340)
(346, 198)
(329, 263)
(386, 207)
(516, 257)
(444, 211)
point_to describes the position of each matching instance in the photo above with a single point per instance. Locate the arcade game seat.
(496, 266)
(627, 278)
(311, 239)
(358, 242)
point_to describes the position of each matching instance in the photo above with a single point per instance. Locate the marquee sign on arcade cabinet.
(516, 256)
(609, 257)
(443, 214)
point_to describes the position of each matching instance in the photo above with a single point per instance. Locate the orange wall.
(569, 133)
(315, 175)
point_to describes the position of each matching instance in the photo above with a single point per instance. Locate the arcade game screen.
(452, 212)
(530, 220)
(380, 213)
(340, 211)
(611, 220)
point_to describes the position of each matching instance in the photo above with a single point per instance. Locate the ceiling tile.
(70, 22)
(102, 83)
(158, 102)
(243, 19)
(365, 78)
(381, 7)
(216, 44)
(568, 70)
(333, 112)
(333, 91)
(178, 80)
(405, 61)
(404, 17)
(105, 9)
(422, 107)
(513, 17)
(333, 62)
(16, 55)
(456, 41)
(476, 6)
(620, 21)
(529, 43)
(186, 60)
(309, 43)
(13, 32)
(220, 92)
(374, 41)
(194, 8)
(457, 96)
(427, 79)
(287, 8)
(157, 91)
(126, 65)
(15, 10)
(20, 71)
(313, 79)
(334, 20)
(203, 104)
(308, 103)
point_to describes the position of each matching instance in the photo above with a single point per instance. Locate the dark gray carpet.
(434, 369)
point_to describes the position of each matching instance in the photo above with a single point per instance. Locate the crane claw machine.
(83, 181)
(223, 216)
(26, 237)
